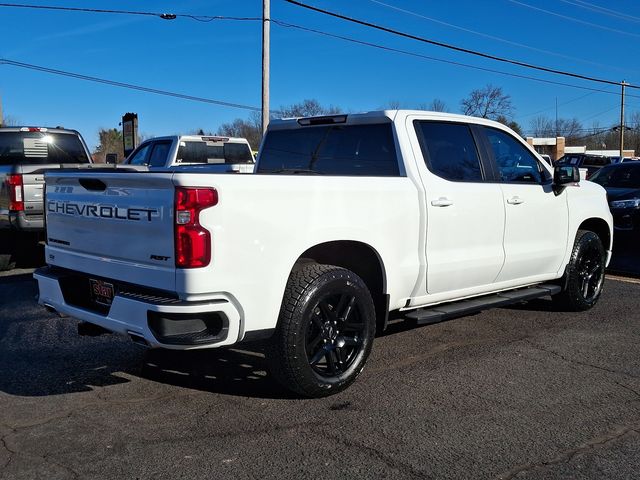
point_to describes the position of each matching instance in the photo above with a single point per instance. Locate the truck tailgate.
(112, 225)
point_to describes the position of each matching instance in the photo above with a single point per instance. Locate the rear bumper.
(20, 221)
(166, 323)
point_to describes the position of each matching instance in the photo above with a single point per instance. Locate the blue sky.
(221, 59)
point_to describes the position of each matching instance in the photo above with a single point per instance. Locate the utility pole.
(266, 20)
(556, 117)
(623, 84)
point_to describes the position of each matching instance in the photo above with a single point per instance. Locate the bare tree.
(570, 128)
(542, 126)
(307, 108)
(392, 105)
(438, 105)
(9, 121)
(251, 128)
(488, 102)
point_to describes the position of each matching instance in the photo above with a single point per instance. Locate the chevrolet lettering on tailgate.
(101, 211)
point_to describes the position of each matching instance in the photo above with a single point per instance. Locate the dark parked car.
(592, 163)
(622, 183)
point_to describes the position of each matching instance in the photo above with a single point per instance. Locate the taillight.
(193, 241)
(16, 192)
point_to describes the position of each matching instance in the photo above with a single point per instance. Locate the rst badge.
(101, 292)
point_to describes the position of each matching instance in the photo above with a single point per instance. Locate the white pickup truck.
(213, 153)
(347, 218)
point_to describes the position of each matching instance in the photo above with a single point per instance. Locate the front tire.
(325, 330)
(584, 276)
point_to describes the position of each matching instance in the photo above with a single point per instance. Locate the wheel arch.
(363, 260)
(601, 228)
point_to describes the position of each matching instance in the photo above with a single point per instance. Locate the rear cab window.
(41, 148)
(349, 150)
(213, 152)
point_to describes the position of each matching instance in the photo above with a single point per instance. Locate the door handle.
(442, 202)
(515, 200)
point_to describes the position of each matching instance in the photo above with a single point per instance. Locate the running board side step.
(445, 311)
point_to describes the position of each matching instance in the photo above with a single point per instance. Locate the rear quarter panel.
(263, 223)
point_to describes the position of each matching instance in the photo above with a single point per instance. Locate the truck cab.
(213, 153)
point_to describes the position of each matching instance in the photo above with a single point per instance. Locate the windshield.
(40, 148)
(623, 176)
(584, 161)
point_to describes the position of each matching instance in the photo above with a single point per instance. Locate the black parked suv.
(25, 154)
(622, 183)
(592, 163)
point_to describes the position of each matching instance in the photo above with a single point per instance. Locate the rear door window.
(39, 148)
(449, 150)
(367, 150)
(159, 154)
(140, 156)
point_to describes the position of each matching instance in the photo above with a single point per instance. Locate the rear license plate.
(101, 292)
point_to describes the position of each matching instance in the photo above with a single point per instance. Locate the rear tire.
(7, 249)
(325, 331)
(584, 275)
(5, 262)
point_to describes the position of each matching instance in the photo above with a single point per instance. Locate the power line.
(574, 130)
(555, 106)
(603, 10)
(435, 59)
(454, 47)
(602, 113)
(577, 20)
(165, 16)
(126, 85)
(491, 37)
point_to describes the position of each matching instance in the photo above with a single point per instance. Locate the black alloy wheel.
(584, 276)
(325, 330)
(590, 268)
(334, 336)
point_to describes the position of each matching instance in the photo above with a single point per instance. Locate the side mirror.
(564, 174)
(111, 158)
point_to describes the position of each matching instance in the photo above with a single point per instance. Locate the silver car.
(26, 153)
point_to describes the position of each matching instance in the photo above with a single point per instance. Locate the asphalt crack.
(568, 455)
(3, 442)
(46, 458)
(577, 362)
(628, 388)
(387, 460)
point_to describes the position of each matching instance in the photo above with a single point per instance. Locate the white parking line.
(623, 279)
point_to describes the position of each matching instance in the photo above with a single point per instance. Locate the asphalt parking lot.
(523, 392)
